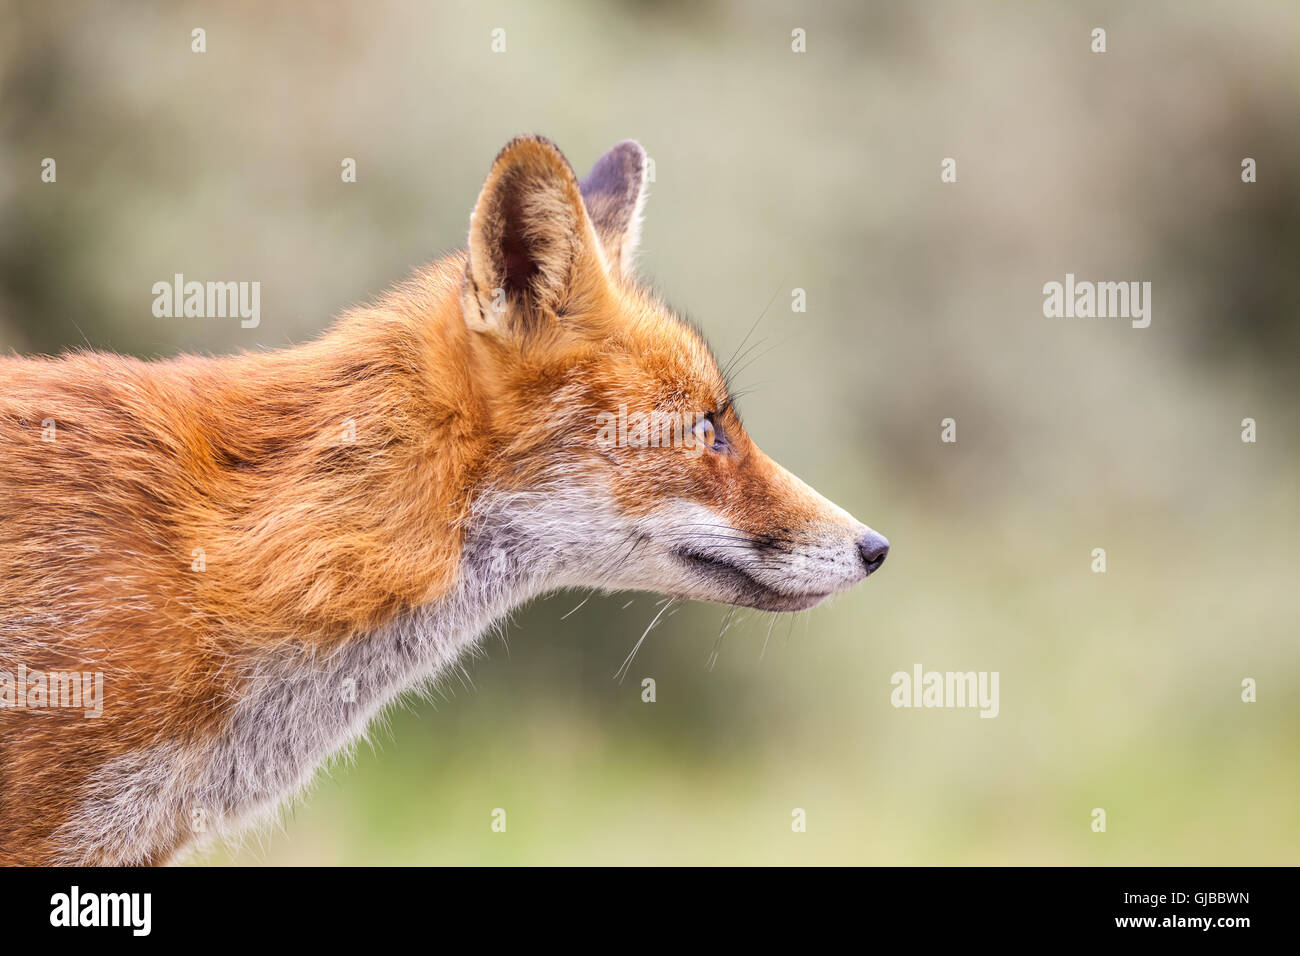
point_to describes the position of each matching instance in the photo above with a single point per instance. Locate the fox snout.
(757, 536)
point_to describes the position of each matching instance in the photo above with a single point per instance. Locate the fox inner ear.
(529, 238)
(614, 192)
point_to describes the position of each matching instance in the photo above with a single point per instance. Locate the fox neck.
(380, 454)
(317, 641)
(300, 701)
(302, 704)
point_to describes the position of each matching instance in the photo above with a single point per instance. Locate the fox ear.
(530, 240)
(614, 192)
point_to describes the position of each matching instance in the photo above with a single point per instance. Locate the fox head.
(618, 457)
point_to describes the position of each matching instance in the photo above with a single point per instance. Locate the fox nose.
(873, 548)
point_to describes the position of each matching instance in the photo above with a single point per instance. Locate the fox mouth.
(742, 587)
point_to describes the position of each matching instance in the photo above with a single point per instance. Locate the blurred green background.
(776, 170)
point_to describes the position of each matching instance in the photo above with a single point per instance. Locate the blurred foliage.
(776, 171)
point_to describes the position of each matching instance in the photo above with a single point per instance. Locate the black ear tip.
(629, 154)
(534, 139)
(533, 145)
(619, 171)
(630, 147)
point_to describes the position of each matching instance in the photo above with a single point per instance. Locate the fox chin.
(256, 553)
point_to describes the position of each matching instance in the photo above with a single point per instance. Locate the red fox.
(253, 555)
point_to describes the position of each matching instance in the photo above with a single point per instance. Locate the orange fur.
(311, 540)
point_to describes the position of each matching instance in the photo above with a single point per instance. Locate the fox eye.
(706, 434)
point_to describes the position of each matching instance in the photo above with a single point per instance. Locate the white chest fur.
(298, 707)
